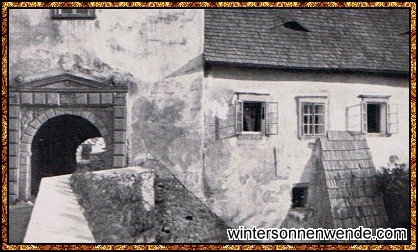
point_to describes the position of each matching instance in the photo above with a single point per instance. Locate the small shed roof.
(350, 180)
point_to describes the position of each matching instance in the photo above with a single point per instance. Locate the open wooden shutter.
(239, 117)
(363, 117)
(272, 118)
(353, 118)
(392, 118)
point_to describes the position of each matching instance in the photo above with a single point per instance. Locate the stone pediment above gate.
(67, 83)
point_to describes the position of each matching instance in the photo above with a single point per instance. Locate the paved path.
(56, 216)
(18, 222)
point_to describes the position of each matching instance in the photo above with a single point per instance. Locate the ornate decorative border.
(4, 104)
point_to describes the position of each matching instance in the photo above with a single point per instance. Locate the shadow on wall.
(166, 124)
(310, 203)
(268, 74)
(155, 127)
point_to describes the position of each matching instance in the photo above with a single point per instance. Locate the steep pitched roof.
(370, 40)
(350, 181)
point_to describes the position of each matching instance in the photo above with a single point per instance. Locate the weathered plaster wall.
(166, 124)
(241, 181)
(146, 43)
(156, 52)
(317, 212)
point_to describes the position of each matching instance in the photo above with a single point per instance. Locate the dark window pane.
(319, 109)
(299, 196)
(81, 11)
(305, 108)
(252, 116)
(373, 118)
(319, 129)
(319, 119)
(66, 11)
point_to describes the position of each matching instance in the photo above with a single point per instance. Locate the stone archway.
(53, 147)
(34, 104)
(40, 119)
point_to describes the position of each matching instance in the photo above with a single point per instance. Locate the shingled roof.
(370, 40)
(350, 181)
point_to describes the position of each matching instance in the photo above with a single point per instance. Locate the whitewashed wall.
(243, 184)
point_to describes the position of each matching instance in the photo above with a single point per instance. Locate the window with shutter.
(272, 126)
(378, 117)
(71, 13)
(353, 118)
(239, 117)
(256, 117)
(392, 118)
(363, 117)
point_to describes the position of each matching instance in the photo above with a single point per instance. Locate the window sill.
(378, 134)
(251, 135)
(310, 137)
(301, 213)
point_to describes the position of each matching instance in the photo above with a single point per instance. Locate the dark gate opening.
(54, 147)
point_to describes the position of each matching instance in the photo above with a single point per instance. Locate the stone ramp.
(57, 216)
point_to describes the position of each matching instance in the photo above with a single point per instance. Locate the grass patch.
(113, 206)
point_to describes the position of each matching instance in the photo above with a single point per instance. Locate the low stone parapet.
(58, 218)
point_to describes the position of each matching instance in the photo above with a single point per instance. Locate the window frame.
(380, 118)
(311, 99)
(57, 14)
(269, 125)
(262, 120)
(387, 111)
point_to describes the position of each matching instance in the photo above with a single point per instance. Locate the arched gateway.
(49, 118)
